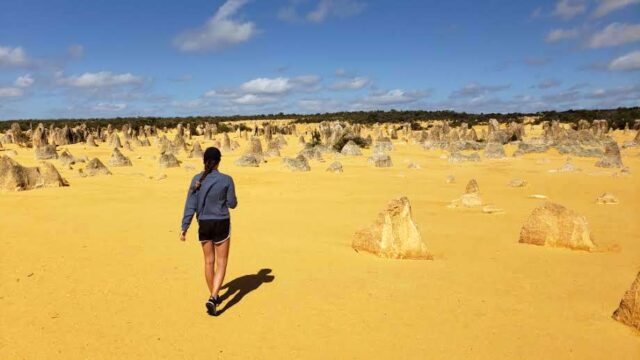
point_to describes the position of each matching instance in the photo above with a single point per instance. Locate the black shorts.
(218, 230)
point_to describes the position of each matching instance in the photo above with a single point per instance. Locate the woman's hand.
(183, 236)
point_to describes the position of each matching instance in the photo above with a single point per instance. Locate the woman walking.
(211, 195)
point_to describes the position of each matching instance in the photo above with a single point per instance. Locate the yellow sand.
(96, 271)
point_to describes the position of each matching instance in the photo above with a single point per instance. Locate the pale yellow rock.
(629, 310)
(393, 235)
(554, 225)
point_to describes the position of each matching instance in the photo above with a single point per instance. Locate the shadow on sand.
(241, 286)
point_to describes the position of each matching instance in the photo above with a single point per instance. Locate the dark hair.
(211, 159)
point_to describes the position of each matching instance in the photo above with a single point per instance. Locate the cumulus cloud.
(11, 91)
(567, 9)
(630, 61)
(615, 34)
(354, 83)
(561, 34)
(220, 32)
(475, 90)
(253, 99)
(99, 80)
(279, 85)
(14, 57)
(391, 97)
(322, 10)
(24, 81)
(607, 6)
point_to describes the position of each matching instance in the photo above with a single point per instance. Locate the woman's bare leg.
(209, 259)
(222, 253)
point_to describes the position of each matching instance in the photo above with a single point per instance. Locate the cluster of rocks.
(15, 177)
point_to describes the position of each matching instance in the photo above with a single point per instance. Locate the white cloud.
(567, 9)
(221, 31)
(321, 10)
(391, 97)
(339, 8)
(615, 34)
(76, 51)
(99, 80)
(319, 105)
(13, 56)
(252, 99)
(561, 34)
(355, 83)
(24, 81)
(279, 85)
(607, 6)
(630, 61)
(306, 80)
(109, 107)
(475, 90)
(11, 91)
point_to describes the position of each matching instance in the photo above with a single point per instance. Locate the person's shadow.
(241, 286)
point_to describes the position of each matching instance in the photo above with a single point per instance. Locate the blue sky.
(107, 58)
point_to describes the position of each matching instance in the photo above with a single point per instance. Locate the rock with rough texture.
(91, 141)
(611, 157)
(46, 152)
(96, 167)
(472, 187)
(247, 160)
(458, 157)
(393, 235)
(66, 158)
(628, 312)
(381, 160)
(351, 149)
(517, 183)
(607, 199)
(117, 159)
(471, 200)
(196, 151)
(335, 167)
(494, 150)
(299, 163)
(15, 177)
(554, 225)
(168, 160)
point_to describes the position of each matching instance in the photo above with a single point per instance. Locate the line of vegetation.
(617, 118)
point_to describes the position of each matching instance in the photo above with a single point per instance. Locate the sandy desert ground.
(96, 271)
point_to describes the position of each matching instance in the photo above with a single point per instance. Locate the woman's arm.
(232, 200)
(190, 206)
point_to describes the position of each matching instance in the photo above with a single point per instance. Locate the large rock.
(554, 225)
(46, 152)
(15, 177)
(168, 160)
(494, 150)
(96, 167)
(248, 160)
(628, 312)
(381, 160)
(458, 157)
(611, 157)
(196, 151)
(117, 159)
(393, 235)
(351, 149)
(299, 163)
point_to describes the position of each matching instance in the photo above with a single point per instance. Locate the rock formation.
(607, 199)
(393, 235)
(351, 149)
(168, 160)
(299, 163)
(117, 159)
(554, 225)
(335, 167)
(15, 177)
(46, 152)
(611, 157)
(196, 151)
(248, 160)
(628, 312)
(381, 160)
(96, 167)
